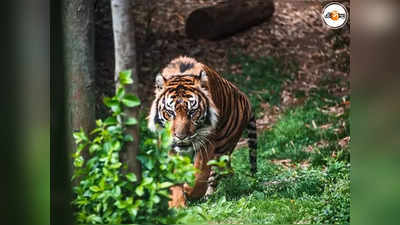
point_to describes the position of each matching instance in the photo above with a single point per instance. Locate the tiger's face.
(186, 112)
(184, 102)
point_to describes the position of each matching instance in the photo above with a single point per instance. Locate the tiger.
(207, 116)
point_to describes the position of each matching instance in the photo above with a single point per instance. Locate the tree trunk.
(79, 65)
(125, 59)
(60, 157)
(227, 18)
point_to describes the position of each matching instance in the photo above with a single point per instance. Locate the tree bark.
(125, 59)
(79, 65)
(60, 167)
(227, 18)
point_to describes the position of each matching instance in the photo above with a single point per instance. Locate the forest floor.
(296, 73)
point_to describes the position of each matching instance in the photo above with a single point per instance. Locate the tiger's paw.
(178, 199)
(209, 192)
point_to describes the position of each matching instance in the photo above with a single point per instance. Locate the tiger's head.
(182, 99)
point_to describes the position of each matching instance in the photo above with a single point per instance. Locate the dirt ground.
(295, 34)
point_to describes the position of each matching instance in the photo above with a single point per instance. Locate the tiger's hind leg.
(252, 142)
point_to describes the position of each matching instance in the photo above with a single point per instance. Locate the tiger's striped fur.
(208, 115)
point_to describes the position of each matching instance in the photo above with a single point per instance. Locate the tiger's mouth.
(184, 145)
(193, 144)
(183, 148)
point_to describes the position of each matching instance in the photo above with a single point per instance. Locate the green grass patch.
(261, 79)
(313, 188)
(303, 127)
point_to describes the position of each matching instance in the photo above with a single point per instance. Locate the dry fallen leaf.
(344, 141)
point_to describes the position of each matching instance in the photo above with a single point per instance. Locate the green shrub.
(221, 166)
(105, 191)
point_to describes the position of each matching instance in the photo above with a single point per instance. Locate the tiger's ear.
(203, 79)
(160, 81)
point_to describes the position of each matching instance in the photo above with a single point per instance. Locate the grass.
(263, 79)
(314, 187)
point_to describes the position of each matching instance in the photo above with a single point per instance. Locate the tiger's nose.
(180, 136)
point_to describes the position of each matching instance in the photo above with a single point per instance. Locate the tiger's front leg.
(180, 192)
(177, 194)
(202, 175)
(177, 197)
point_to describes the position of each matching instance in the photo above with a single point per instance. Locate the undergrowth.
(105, 190)
(303, 172)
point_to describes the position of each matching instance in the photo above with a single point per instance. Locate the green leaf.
(113, 104)
(139, 190)
(81, 147)
(80, 136)
(138, 203)
(114, 129)
(131, 100)
(107, 101)
(212, 162)
(94, 219)
(165, 185)
(102, 183)
(99, 123)
(120, 92)
(131, 177)
(129, 200)
(107, 146)
(131, 121)
(146, 162)
(116, 108)
(221, 164)
(78, 162)
(156, 199)
(147, 180)
(224, 158)
(125, 77)
(116, 191)
(128, 138)
(225, 172)
(116, 145)
(98, 139)
(120, 204)
(133, 211)
(116, 165)
(106, 171)
(164, 193)
(95, 188)
(96, 130)
(110, 121)
(94, 147)
(98, 207)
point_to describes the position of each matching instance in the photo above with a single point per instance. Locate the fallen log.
(224, 19)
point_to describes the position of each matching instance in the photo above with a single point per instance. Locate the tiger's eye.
(170, 113)
(191, 113)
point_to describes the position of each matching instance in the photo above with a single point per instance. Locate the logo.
(335, 15)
